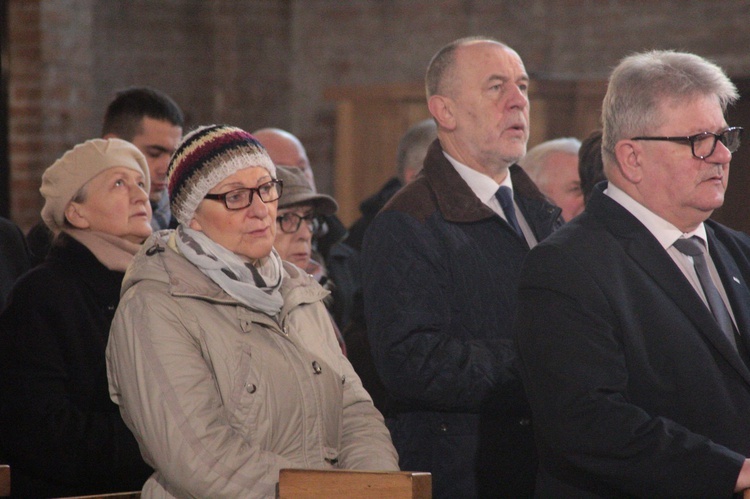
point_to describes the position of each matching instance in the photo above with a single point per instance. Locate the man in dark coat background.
(440, 265)
(412, 149)
(634, 353)
(14, 257)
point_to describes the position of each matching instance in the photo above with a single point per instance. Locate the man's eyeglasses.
(291, 222)
(242, 198)
(703, 144)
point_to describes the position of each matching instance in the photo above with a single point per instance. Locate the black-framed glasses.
(703, 144)
(291, 222)
(242, 198)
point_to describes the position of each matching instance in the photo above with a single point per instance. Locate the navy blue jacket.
(635, 390)
(440, 271)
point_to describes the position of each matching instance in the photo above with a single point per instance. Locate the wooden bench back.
(4, 480)
(309, 484)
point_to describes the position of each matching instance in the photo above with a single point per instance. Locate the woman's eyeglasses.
(242, 198)
(291, 222)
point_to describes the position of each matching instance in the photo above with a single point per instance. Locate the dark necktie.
(694, 247)
(505, 196)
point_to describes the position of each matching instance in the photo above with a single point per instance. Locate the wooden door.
(369, 124)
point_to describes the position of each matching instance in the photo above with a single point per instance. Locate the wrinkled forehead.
(693, 112)
(483, 59)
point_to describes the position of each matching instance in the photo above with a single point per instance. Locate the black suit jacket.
(634, 389)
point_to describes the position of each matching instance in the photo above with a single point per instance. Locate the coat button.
(251, 388)
(316, 367)
(154, 250)
(443, 427)
(524, 422)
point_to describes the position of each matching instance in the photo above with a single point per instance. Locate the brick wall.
(257, 63)
(25, 126)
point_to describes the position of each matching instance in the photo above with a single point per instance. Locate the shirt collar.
(483, 186)
(665, 232)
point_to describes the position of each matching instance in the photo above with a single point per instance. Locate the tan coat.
(221, 397)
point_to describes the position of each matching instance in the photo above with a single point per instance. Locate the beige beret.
(67, 175)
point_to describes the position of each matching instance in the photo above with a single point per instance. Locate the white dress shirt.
(666, 233)
(485, 187)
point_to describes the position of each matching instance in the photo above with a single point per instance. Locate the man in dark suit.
(633, 347)
(440, 266)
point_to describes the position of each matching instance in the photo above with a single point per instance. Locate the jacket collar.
(646, 252)
(458, 203)
(158, 260)
(71, 254)
(373, 204)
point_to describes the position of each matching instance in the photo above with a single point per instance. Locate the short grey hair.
(533, 162)
(641, 81)
(412, 148)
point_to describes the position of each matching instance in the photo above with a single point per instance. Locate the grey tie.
(694, 247)
(505, 197)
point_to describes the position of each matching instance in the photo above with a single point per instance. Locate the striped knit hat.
(205, 157)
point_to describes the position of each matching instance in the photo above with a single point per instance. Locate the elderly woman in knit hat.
(59, 429)
(221, 356)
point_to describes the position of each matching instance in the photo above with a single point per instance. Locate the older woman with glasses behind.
(59, 429)
(298, 221)
(300, 203)
(222, 357)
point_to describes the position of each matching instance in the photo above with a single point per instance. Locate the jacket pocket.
(331, 390)
(247, 392)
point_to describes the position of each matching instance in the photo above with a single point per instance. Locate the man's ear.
(629, 155)
(442, 109)
(76, 216)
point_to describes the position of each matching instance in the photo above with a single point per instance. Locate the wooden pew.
(5, 488)
(113, 495)
(4, 480)
(314, 484)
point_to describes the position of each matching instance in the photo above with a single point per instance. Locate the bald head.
(286, 150)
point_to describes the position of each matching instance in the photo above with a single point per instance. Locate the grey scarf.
(256, 287)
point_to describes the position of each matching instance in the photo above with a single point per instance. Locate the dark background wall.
(255, 63)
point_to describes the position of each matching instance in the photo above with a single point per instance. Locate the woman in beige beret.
(59, 430)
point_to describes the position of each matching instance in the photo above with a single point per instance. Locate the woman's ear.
(195, 224)
(75, 214)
